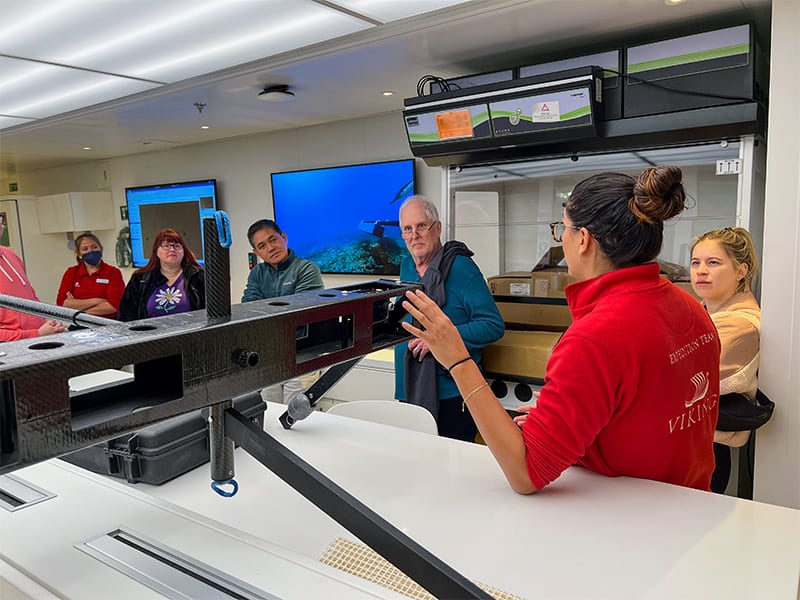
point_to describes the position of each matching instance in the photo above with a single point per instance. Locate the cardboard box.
(549, 283)
(544, 317)
(527, 314)
(542, 283)
(515, 283)
(546, 280)
(520, 353)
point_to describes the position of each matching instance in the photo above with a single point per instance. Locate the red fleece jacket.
(14, 282)
(632, 387)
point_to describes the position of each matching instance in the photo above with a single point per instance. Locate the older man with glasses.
(455, 282)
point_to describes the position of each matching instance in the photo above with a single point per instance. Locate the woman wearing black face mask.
(92, 286)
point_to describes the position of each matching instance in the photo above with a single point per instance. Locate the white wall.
(778, 443)
(242, 167)
(477, 224)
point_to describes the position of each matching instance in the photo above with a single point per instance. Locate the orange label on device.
(455, 124)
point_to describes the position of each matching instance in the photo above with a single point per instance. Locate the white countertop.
(585, 536)
(40, 553)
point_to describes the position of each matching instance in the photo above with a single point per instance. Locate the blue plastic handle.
(223, 228)
(217, 487)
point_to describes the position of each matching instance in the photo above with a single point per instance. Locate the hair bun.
(658, 194)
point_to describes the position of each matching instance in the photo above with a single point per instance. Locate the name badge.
(101, 280)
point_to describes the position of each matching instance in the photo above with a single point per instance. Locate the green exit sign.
(13, 187)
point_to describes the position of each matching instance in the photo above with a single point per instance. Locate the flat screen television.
(180, 206)
(345, 218)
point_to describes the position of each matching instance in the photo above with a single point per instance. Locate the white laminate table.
(584, 536)
(43, 548)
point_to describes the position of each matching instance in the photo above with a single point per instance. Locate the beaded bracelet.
(458, 362)
(475, 391)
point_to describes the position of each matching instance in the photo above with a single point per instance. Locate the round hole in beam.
(46, 346)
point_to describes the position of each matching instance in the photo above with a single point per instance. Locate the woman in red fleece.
(632, 387)
(16, 325)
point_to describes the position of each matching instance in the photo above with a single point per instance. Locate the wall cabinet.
(76, 211)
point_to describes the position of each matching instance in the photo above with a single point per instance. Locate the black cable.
(429, 79)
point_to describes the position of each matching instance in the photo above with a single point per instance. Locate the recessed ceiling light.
(204, 127)
(87, 147)
(388, 93)
(673, 2)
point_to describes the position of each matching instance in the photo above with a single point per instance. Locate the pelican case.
(162, 451)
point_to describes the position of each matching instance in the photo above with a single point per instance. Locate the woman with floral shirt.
(171, 282)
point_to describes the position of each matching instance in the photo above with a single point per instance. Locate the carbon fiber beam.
(218, 273)
(49, 311)
(180, 363)
(218, 310)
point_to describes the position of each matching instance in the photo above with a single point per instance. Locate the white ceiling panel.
(38, 90)
(11, 121)
(167, 41)
(392, 10)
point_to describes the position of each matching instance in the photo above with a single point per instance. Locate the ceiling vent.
(276, 93)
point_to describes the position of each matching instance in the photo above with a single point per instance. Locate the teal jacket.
(293, 275)
(472, 310)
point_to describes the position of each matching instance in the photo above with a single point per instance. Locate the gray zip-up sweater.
(292, 276)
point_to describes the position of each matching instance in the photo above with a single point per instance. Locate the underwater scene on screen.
(346, 219)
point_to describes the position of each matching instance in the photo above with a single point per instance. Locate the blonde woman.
(723, 266)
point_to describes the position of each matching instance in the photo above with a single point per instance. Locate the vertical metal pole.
(220, 446)
(218, 307)
(218, 273)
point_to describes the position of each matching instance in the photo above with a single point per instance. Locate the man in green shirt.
(282, 273)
